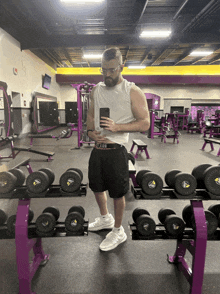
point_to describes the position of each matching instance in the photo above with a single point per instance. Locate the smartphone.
(105, 112)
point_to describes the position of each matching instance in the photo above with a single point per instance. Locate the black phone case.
(105, 112)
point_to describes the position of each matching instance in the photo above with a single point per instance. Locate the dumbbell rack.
(195, 243)
(26, 237)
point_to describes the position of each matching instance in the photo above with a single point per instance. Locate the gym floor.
(76, 264)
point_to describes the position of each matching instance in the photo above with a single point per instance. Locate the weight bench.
(211, 141)
(16, 164)
(132, 172)
(47, 153)
(141, 146)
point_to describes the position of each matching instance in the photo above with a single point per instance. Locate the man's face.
(111, 72)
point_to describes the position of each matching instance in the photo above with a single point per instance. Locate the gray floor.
(76, 264)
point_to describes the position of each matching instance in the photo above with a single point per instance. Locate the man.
(108, 163)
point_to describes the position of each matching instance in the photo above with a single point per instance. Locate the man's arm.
(140, 111)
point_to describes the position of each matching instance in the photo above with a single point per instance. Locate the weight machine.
(199, 125)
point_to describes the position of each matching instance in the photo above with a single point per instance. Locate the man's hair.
(112, 53)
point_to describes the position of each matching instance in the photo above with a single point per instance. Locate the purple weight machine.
(170, 128)
(212, 125)
(155, 122)
(83, 95)
(199, 125)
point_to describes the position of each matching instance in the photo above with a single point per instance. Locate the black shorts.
(108, 170)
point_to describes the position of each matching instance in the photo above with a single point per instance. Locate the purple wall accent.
(208, 110)
(143, 80)
(155, 101)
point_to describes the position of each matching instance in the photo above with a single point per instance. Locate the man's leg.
(119, 207)
(101, 199)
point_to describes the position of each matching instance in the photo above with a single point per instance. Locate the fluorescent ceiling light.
(94, 56)
(136, 66)
(200, 53)
(82, 1)
(155, 34)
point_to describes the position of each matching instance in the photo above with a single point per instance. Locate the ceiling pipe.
(180, 9)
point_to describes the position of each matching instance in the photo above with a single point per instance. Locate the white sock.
(105, 216)
(117, 230)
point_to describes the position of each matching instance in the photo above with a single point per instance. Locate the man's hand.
(95, 135)
(109, 124)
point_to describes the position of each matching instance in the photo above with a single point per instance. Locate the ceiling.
(60, 34)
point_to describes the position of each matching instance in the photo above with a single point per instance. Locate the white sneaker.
(113, 239)
(101, 223)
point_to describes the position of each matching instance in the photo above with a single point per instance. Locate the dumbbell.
(12, 220)
(215, 208)
(75, 219)
(151, 183)
(46, 222)
(7, 182)
(70, 181)
(211, 219)
(211, 178)
(173, 224)
(19, 174)
(39, 181)
(198, 172)
(144, 222)
(3, 217)
(183, 183)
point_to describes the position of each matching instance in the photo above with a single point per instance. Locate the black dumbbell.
(7, 182)
(46, 222)
(75, 219)
(211, 177)
(198, 172)
(19, 174)
(211, 220)
(183, 183)
(144, 222)
(49, 173)
(215, 208)
(70, 181)
(173, 224)
(37, 182)
(150, 183)
(3, 217)
(12, 220)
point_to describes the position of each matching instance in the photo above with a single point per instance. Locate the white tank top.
(118, 100)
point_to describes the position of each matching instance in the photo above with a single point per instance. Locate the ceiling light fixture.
(155, 34)
(92, 56)
(200, 53)
(136, 66)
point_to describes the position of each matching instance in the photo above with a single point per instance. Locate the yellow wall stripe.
(153, 70)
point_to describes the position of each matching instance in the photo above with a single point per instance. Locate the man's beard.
(110, 82)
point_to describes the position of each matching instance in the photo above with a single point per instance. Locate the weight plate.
(187, 214)
(145, 225)
(138, 212)
(215, 208)
(19, 174)
(30, 216)
(169, 177)
(174, 225)
(54, 211)
(45, 222)
(131, 157)
(151, 184)
(11, 224)
(163, 213)
(77, 208)
(198, 173)
(70, 181)
(185, 184)
(3, 217)
(212, 179)
(7, 182)
(74, 222)
(37, 182)
(211, 222)
(77, 170)
(49, 173)
(140, 174)
(47, 234)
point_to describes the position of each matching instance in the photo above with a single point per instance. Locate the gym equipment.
(144, 222)
(70, 181)
(154, 122)
(151, 183)
(211, 141)
(3, 217)
(7, 182)
(198, 172)
(131, 158)
(37, 182)
(212, 179)
(46, 222)
(12, 220)
(183, 183)
(141, 146)
(211, 220)
(170, 128)
(215, 208)
(75, 219)
(49, 173)
(19, 174)
(199, 125)
(173, 224)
